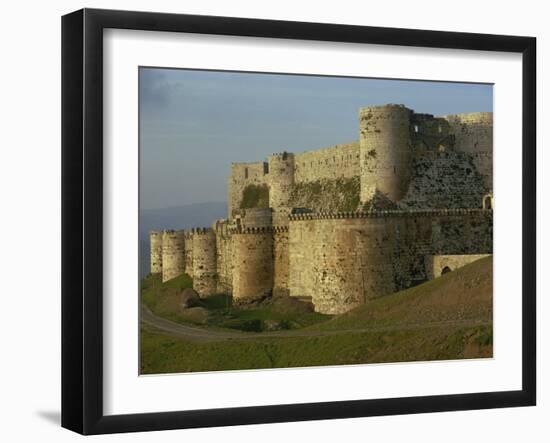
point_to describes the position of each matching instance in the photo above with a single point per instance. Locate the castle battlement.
(391, 213)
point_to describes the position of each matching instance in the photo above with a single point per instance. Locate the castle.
(339, 226)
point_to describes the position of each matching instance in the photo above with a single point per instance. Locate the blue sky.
(193, 124)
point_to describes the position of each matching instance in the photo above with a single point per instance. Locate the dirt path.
(196, 333)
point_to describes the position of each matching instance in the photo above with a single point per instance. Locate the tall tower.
(385, 151)
(280, 179)
(252, 262)
(204, 261)
(173, 254)
(155, 242)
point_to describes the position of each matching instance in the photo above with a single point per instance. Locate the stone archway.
(487, 202)
(445, 270)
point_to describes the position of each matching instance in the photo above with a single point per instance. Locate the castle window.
(439, 129)
(416, 128)
(245, 172)
(266, 168)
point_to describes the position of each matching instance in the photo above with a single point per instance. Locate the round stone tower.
(385, 151)
(280, 179)
(252, 262)
(155, 243)
(173, 254)
(204, 261)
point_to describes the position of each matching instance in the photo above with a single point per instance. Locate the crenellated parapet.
(391, 213)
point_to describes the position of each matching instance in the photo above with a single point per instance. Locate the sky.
(194, 123)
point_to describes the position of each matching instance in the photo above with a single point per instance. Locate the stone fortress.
(339, 226)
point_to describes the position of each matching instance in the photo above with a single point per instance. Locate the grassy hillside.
(447, 318)
(463, 295)
(164, 300)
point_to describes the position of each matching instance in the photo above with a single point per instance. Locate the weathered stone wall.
(189, 253)
(280, 179)
(385, 151)
(430, 171)
(430, 134)
(333, 162)
(447, 179)
(332, 195)
(466, 231)
(437, 265)
(280, 261)
(473, 133)
(243, 174)
(252, 262)
(253, 218)
(173, 254)
(343, 260)
(204, 261)
(155, 242)
(224, 266)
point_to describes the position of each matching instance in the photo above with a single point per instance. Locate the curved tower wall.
(173, 254)
(342, 263)
(280, 260)
(189, 253)
(252, 263)
(280, 179)
(385, 151)
(155, 242)
(223, 257)
(204, 262)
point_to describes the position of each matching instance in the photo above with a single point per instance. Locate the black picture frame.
(82, 218)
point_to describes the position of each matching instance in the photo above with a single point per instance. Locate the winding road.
(196, 333)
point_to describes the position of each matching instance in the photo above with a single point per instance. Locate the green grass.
(255, 196)
(341, 194)
(446, 318)
(163, 299)
(164, 354)
(464, 294)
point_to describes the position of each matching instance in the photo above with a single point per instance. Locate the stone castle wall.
(343, 260)
(434, 172)
(204, 262)
(338, 161)
(243, 174)
(280, 261)
(173, 254)
(224, 257)
(437, 265)
(252, 259)
(385, 151)
(188, 253)
(155, 242)
(473, 133)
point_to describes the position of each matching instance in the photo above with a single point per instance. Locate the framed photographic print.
(269, 221)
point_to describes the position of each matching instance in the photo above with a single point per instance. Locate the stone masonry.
(423, 207)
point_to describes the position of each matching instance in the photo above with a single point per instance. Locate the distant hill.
(180, 217)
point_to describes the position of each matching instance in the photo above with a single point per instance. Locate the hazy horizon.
(194, 123)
